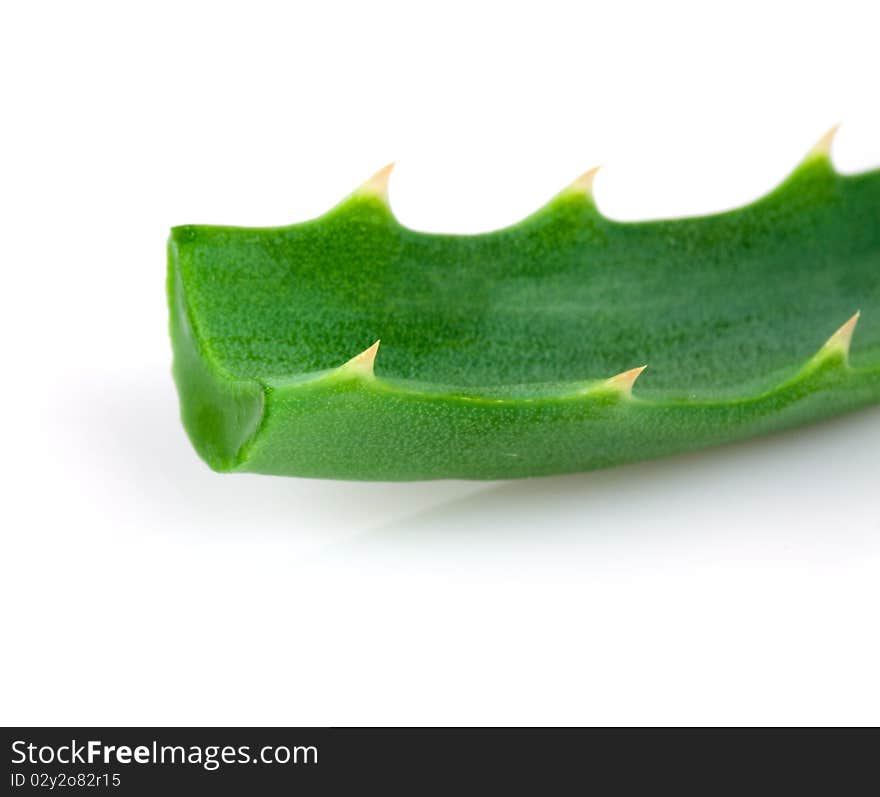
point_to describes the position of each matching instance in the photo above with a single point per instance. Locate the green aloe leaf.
(515, 353)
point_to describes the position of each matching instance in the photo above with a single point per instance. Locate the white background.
(739, 585)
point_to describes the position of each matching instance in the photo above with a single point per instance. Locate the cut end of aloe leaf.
(510, 354)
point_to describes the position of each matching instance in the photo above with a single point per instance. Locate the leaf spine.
(377, 185)
(623, 382)
(840, 341)
(822, 148)
(362, 364)
(584, 183)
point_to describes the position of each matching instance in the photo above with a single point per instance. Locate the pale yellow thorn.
(822, 148)
(362, 364)
(584, 183)
(841, 340)
(624, 382)
(377, 185)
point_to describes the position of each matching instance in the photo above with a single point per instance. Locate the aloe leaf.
(520, 352)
